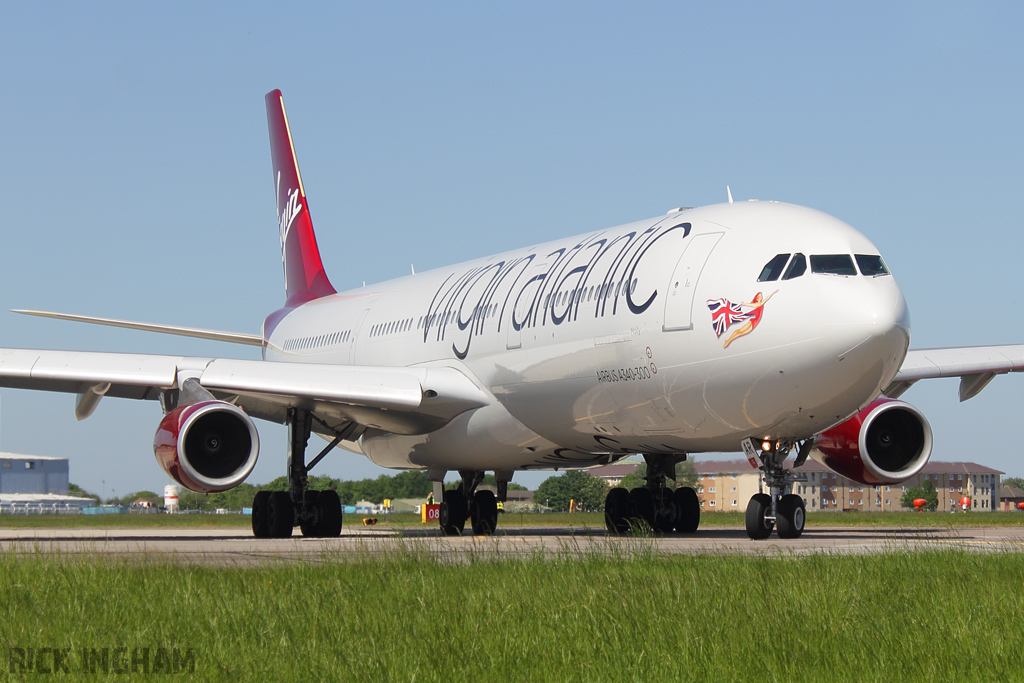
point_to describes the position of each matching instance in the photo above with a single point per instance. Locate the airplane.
(757, 325)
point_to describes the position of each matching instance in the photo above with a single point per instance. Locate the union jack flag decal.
(724, 313)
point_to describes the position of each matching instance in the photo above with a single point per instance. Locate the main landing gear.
(316, 513)
(783, 512)
(654, 504)
(466, 502)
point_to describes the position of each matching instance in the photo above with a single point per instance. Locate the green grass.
(511, 521)
(123, 521)
(940, 615)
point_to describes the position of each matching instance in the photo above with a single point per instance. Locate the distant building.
(34, 481)
(728, 485)
(33, 474)
(614, 474)
(1010, 497)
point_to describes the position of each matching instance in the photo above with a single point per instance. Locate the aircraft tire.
(453, 512)
(281, 515)
(329, 512)
(485, 513)
(260, 518)
(641, 507)
(311, 527)
(664, 511)
(759, 528)
(791, 515)
(687, 510)
(616, 511)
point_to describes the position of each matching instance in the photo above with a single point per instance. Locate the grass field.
(520, 520)
(637, 617)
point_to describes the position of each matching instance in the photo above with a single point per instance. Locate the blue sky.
(136, 175)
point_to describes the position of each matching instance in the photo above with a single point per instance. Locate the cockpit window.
(833, 264)
(797, 267)
(773, 269)
(871, 265)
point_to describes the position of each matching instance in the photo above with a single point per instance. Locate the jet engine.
(208, 447)
(886, 443)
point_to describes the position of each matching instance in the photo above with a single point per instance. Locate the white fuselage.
(604, 344)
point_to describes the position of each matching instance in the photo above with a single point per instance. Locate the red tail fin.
(304, 275)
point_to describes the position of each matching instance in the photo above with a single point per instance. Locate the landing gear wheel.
(790, 515)
(328, 506)
(485, 513)
(758, 527)
(281, 515)
(260, 515)
(641, 508)
(453, 512)
(616, 511)
(687, 510)
(311, 527)
(664, 511)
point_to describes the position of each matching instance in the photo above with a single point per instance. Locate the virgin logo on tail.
(286, 216)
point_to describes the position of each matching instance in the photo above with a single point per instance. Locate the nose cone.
(869, 334)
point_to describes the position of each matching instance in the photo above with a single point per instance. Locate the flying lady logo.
(724, 314)
(287, 215)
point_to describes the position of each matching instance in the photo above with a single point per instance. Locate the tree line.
(555, 492)
(409, 484)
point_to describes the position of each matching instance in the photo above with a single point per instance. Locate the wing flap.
(316, 382)
(440, 392)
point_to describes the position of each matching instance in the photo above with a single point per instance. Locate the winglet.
(304, 276)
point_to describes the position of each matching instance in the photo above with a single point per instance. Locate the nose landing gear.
(776, 510)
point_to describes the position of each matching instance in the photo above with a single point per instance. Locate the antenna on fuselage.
(729, 193)
(413, 268)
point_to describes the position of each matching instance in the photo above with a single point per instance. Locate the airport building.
(727, 485)
(34, 483)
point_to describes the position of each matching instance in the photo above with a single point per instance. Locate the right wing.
(346, 399)
(976, 366)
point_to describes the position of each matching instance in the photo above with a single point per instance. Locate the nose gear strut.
(778, 510)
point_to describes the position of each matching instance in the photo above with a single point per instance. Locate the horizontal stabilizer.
(198, 333)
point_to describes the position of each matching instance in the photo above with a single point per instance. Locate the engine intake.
(886, 443)
(207, 447)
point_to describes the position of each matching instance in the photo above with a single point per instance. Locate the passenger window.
(871, 265)
(833, 264)
(797, 267)
(773, 269)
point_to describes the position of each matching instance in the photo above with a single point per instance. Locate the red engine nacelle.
(207, 447)
(886, 443)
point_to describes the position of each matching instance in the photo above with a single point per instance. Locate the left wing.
(413, 400)
(976, 366)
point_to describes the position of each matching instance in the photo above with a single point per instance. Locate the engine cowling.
(886, 443)
(207, 447)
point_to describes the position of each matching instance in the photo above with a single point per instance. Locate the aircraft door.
(355, 336)
(683, 285)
